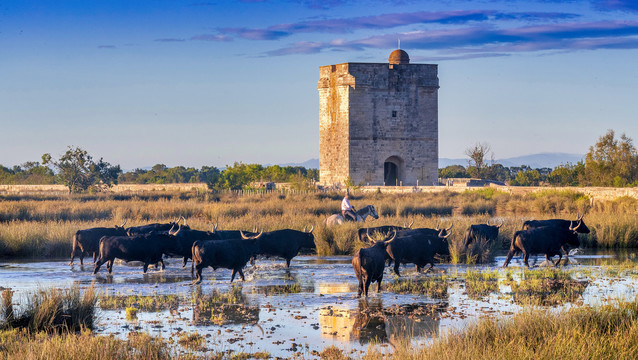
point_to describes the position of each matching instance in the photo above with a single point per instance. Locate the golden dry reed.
(42, 226)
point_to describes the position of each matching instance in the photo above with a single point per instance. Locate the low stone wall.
(57, 189)
(596, 193)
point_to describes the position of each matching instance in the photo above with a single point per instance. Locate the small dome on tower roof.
(399, 57)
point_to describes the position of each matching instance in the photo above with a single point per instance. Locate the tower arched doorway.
(393, 171)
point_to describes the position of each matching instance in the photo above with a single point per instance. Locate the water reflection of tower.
(370, 321)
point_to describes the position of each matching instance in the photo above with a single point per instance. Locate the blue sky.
(188, 82)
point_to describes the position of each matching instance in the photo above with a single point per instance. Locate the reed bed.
(607, 332)
(42, 227)
(55, 310)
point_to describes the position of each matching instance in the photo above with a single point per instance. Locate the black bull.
(285, 243)
(368, 265)
(228, 254)
(88, 241)
(417, 247)
(476, 232)
(546, 240)
(148, 248)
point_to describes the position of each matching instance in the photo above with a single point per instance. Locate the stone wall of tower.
(372, 112)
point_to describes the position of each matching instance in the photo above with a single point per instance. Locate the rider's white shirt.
(345, 204)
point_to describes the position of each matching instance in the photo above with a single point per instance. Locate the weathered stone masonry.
(379, 122)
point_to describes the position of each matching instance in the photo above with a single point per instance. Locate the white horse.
(362, 214)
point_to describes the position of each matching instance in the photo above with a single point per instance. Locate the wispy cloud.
(106, 47)
(207, 37)
(387, 21)
(619, 5)
(169, 40)
(489, 39)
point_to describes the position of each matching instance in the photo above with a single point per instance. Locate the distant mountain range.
(535, 161)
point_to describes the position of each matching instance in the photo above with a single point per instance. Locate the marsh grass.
(607, 332)
(19, 345)
(42, 227)
(271, 290)
(53, 310)
(479, 284)
(222, 308)
(140, 302)
(432, 286)
(547, 287)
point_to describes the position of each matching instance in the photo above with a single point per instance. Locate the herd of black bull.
(233, 249)
(420, 246)
(230, 249)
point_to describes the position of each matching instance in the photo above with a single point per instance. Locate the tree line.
(611, 161)
(77, 170)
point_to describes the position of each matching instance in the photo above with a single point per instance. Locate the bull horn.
(501, 222)
(183, 218)
(488, 222)
(412, 223)
(243, 236)
(255, 228)
(389, 240)
(448, 229)
(446, 236)
(575, 228)
(368, 234)
(179, 227)
(124, 223)
(312, 227)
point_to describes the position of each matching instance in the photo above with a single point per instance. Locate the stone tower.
(379, 122)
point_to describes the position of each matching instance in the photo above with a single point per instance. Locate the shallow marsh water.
(323, 309)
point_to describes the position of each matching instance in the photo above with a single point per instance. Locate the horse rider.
(347, 210)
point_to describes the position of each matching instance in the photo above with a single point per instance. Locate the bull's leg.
(288, 263)
(162, 262)
(360, 291)
(560, 257)
(526, 258)
(418, 269)
(192, 268)
(109, 266)
(367, 286)
(396, 267)
(241, 273)
(509, 257)
(232, 276)
(198, 279)
(94, 256)
(145, 267)
(379, 283)
(184, 261)
(81, 257)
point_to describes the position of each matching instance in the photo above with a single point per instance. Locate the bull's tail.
(514, 247)
(197, 259)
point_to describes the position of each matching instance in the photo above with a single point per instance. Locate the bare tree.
(478, 155)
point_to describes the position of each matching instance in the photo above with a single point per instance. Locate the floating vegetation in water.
(192, 341)
(435, 287)
(140, 302)
(269, 290)
(131, 313)
(548, 287)
(222, 308)
(479, 284)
